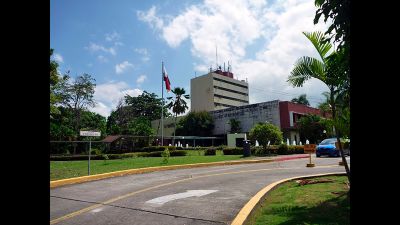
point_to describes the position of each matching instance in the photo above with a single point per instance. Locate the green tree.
(235, 126)
(339, 12)
(328, 69)
(264, 132)
(141, 126)
(178, 105)
(54, 80)
(196, 124)
(301, 100)
(77, 96)
(311, 128)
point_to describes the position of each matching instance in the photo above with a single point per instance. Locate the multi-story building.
(218, 90)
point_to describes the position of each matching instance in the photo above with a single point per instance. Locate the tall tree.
(78, 96)
(196, 124)
(178, 105)
(325, 69)
(302, 99)
(54, 80)
(311, 128)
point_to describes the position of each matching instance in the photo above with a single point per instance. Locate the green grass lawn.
(290, 203)
(68, 169)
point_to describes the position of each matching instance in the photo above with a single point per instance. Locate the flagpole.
(162, 108)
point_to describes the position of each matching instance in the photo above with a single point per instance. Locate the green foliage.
(141, 126)
(178, 153)
(310, 128)
(232, 151)
(146, 106)
(264, 133)
(235, 126)
(165, 154)
(155, 148)
(178, 105)
(302, 99)
(339, 12)
(210, 151)
(196, 124)
(54, 80)
(105, 157)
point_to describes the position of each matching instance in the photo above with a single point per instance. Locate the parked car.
(327, 147)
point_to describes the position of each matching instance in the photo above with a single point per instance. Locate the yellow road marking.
(68, 216)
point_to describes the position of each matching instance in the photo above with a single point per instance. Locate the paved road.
(210, 195)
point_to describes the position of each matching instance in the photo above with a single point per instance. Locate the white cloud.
(144, 53)
(236, 27)
(95, 47)
(101, 58)
(150, 17)
(58, 58)
(113, 36)
(108, 94)
(123, 67)
(141, 79)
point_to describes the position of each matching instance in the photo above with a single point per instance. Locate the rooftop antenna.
(224, 67)
(216, 55)
(195, 74)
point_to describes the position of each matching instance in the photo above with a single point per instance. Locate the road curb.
(76, 180)
(244, 214)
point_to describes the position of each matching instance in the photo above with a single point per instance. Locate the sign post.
(310, 148)
(90, 134)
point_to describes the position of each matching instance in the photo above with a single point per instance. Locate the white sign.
(90, 133)
(187, 194)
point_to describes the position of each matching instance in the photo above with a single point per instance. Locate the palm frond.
(306, 68)
(317, 39)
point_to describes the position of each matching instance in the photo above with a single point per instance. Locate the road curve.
(211, 195)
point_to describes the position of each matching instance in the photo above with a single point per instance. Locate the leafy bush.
(178, 153)
(171, 148)
(179, 148)
(291, 149)
(155, 148)
(153, 154)
(283, 149)
(233, 151)
(165, 154)
(210, 151)
(221, 147)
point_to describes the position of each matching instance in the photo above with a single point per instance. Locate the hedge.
(233, 151)
(210, 151)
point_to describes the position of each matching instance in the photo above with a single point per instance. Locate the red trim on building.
(286, 107)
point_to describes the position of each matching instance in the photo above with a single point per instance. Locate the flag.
(166, 79)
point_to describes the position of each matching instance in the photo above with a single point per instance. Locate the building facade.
(217, 90)
(283, 114)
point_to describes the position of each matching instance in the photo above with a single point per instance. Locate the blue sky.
(122, 44)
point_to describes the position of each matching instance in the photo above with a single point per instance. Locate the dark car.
(327, 147)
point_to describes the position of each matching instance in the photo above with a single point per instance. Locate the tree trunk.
(173, 140)
(346, 166)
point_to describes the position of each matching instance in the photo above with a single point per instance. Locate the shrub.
(155, 148)
(233, 151)
(165, 154)
(179, 148)
(258, 151)
(178, 153)
(171, 148)
(210, 151)
(221, 147)
(283, 149)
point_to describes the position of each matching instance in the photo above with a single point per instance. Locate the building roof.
(111, 138)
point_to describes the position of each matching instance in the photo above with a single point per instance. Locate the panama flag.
(166, 79)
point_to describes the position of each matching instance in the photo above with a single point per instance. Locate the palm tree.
(329, 69)
(178, 105)
(302, 99)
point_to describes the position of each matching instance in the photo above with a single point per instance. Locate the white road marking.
(187, 194)
(97, 210)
